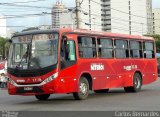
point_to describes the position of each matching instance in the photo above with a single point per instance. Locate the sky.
(9, 10)
(29, 21)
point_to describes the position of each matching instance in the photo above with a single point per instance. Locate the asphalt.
(116, 100)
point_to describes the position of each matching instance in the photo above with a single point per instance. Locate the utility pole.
(142, 27)
(78, 14)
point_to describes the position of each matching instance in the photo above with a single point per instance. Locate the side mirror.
(64, 43)
(67, 48)
(10, 41)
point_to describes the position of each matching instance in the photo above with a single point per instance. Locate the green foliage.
(157, 39)
(4, 46)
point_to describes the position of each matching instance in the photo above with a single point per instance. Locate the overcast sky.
(35, 21)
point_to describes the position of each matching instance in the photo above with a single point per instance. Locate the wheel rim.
(83, 88)
(137, 83)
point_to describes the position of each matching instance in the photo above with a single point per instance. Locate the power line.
(116, 27)
(27, 6)
(123, 11)
(14, 26)
(25, 15)
(23, 2)
(118, 19)
(21, 11)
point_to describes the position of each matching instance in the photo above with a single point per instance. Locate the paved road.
(115, 100)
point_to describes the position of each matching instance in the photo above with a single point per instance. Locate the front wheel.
(83, 89)
(42, 97)
(137, 84)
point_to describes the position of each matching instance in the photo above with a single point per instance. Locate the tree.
(4, 47)
(157, 39)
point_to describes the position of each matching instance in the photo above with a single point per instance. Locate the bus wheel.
(42, 97)
(101, 91)
(83, 89)
(137, 83)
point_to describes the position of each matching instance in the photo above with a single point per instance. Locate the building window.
(87, 47)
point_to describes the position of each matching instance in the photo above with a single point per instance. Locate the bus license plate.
(28, 88)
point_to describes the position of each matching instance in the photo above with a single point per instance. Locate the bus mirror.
(67, 48)
(64, 42)
(10, 41)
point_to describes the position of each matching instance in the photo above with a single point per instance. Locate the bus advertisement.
(61, 61)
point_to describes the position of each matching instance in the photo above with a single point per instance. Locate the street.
(116, 100)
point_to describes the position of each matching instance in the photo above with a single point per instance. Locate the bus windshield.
(33, 51)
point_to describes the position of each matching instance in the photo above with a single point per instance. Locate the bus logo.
(97, 67)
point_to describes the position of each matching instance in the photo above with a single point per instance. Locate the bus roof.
(82, 31)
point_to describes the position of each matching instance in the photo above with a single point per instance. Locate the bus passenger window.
(149, 50)
(105, 48)
(136, 49)
(87, 47)
(121, 49)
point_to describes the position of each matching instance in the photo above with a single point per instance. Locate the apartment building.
(156, 21)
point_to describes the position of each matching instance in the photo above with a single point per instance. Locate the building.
(63, 17)
(10, 32)
(57, 11)
(156, 21)
(127, 16)
(3, 26)
(68, 19)
(90, 15)
(44, 27)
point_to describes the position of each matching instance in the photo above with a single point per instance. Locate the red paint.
(113, 76)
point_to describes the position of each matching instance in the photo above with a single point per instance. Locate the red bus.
(67, 61)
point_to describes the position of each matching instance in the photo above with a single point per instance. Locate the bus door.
(68, 64)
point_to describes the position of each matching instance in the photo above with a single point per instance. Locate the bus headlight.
(49, 79)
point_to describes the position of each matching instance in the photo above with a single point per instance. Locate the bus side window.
(105, 48)
(149, 50)
(136, 49)
(121, 50)
(87, 47)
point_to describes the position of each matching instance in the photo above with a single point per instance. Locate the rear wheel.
(83, 89)
(101, 91)
(137, 84)
(42, 97)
